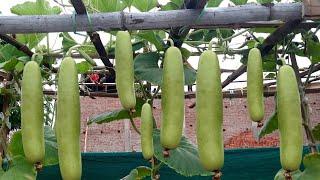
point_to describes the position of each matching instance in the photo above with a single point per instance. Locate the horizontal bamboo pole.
(250, 15)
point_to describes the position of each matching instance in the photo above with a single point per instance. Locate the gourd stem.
(171, 42)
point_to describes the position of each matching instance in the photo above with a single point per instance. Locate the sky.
(226, 62)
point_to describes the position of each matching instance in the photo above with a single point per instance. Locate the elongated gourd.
(255, 85)
(32, 122)
(289, 119)
(146, 131)
(209, 113)
(67, 125)
(124, 70)
(172, 99)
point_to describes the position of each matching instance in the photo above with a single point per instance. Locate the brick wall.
(119, 136)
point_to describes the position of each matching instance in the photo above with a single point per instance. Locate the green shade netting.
(246, 164)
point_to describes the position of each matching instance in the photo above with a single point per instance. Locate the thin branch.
(309, 74)
(21, 47)
(132, 123)
(304, 106)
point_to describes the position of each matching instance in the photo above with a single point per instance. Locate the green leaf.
(19, 67)
(138, 173)
(133, 175)
(144, 5)
(184, 159)
(146, 68)
(31, 40)
(51, 154)
(40, 7)
(8, 51)
(270, 125)
(128, 2)
(15, 146)
(239, 2)
(280, 175)
(311, 163)
(264, 1)
(185, 53)
(316, 132)
(264, 30)
(83, 67)
(104, 6)
(313, 50)
(214, 3)
(153, 38)
(189, 75)
(196, 35)
(67, 41)
(9, 65)
(21, 169)
(170, 6)
(271, 75)
(117, 114)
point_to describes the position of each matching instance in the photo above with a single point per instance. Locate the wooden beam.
(218, 17)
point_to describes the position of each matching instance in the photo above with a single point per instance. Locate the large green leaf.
(239, 2)
(8, 51)
(311, 163)
(144, 5)
(83, 67)
(67, 41)
(214, 3)
(313, 50)
(316, 132)
(20, 170)
(104, 6)
(264, 1)
(146, 68)
(184, 159)
(170, 6)
(117, 114)
(51, 154)
(31, 40)
(128, 2)
(153, 38)
(294, 175)
(40, 7)
(270, 125)
(15, 146)
(9, 65)
(138, 173)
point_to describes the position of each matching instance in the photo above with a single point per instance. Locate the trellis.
(285, 16)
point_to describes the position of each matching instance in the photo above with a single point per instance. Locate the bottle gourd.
(32, 115)
(172, 99)
(124, 70)
(67, 125)
(289, 119)
(146, 131)
(209, 112)
(255, 85)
